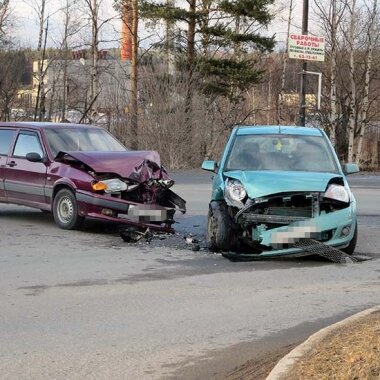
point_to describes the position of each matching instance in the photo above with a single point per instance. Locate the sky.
(25, 28)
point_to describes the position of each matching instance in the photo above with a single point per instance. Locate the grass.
(350, 353)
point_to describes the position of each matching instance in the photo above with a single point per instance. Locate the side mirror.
(34, 157)
(209, 165)
(350, 169)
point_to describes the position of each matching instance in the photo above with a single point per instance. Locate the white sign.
(306, 47)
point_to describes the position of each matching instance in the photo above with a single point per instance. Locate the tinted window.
(281, 153)
(81, 139)
(27, 143)
(6, 138)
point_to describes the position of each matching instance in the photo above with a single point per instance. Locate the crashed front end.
(136, 194)
(273, 224)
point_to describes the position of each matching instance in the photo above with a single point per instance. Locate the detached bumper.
(332, 224)
(116, 210)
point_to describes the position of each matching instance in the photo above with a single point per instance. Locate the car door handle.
(11, 164)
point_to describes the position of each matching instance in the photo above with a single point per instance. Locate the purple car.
(78, 171)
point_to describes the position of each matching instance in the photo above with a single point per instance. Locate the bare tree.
(371, 39)
(94, 9)
(4, 12)
(353, 105)
(12, 67)
(134, 76)
(331, 14)
(39, 7)
(163, 123)
(333, 72)
(65, 51)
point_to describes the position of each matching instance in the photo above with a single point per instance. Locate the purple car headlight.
(110, 186)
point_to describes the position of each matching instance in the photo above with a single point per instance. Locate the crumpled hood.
(139, 166)
(264, 183)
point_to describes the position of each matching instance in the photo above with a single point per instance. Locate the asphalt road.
(86, 305)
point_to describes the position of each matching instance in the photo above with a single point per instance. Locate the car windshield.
(81, 139)
(281, 153)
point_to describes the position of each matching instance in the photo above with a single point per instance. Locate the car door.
(24, 180)
(7, 136)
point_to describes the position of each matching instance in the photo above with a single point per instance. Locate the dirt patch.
(350, 352)
(259, 367)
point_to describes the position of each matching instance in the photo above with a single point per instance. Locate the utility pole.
(305, 27)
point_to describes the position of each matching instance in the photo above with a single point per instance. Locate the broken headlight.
(110, 186)
(338, 193)
(234, 192)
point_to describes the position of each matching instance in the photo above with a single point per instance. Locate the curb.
(287, 362)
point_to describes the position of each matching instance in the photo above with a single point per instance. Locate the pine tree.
(228, 33)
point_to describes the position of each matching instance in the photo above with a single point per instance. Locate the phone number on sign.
(307, 56)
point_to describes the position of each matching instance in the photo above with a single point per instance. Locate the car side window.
(6, 139)
(27, 143)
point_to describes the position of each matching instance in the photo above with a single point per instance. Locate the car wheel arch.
(62, 185)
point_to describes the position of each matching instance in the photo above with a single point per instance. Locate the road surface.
(86, 305)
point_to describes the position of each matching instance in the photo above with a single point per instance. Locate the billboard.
(309, 48)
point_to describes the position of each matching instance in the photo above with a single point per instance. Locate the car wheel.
(351, 247)
(221, 230)
(65, 210)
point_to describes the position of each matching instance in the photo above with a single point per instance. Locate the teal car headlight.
(338, 193)
(234, 192)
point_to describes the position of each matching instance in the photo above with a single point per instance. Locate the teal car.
(276, 186)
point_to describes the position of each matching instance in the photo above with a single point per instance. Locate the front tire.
(221, 230)
(65, 210)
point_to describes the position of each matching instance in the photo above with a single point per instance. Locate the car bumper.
(334, 223)
(115, 210)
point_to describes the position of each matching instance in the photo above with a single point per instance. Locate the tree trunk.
(352, 106)
(134, 77)
(191, 32)
(40, 58)
(368, 70)
(65, 53)
(169, 39)
(191, 62)
(94, 88)
(333, 75)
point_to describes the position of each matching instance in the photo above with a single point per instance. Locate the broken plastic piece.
(133, 235)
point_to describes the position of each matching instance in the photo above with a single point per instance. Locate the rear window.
(6, 139)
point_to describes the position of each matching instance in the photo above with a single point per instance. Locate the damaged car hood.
(139, 166)
(262, 183)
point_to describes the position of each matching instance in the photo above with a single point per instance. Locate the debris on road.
(133, 235)
(190, 239)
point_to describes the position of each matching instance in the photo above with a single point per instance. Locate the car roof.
(43, 125)
(277, 130)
